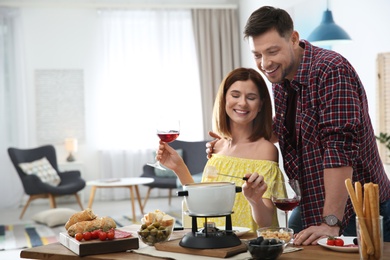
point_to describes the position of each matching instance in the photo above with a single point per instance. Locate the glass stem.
(286, 214)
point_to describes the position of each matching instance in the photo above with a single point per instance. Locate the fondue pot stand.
(210, 237)
(210, 199)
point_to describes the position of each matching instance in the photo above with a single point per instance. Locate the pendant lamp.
(328, 32)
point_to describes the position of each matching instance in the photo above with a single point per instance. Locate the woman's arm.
(262, 209)
(168, 156)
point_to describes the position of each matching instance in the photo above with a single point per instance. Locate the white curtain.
(148, 70)
(13, 111)
(218, 40)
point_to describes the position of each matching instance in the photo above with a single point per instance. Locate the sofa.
(195, 157)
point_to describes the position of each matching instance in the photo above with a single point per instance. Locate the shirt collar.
(301, 78)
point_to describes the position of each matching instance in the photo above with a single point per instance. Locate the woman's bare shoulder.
(266, 150)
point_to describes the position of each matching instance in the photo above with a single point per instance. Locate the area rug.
(29, 235)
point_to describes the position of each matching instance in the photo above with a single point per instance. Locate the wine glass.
(286, 195)
(168, 131)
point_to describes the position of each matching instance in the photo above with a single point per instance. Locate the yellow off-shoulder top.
(242, 216)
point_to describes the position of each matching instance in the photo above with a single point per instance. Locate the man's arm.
(336, 196)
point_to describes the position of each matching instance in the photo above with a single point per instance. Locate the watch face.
(331, 220)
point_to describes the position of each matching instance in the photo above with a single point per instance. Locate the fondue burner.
(210, 236)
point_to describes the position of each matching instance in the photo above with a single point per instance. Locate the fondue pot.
(210, 198)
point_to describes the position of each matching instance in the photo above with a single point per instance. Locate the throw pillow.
(168, 173)
(54, 217)
(43, 169)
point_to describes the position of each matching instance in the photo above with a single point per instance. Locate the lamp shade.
(71, 145)
(328, 32)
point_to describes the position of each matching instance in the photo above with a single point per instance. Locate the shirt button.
(281, 114)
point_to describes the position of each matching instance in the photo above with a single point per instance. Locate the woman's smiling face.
(243, 102)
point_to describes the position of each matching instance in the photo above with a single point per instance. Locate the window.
(148, 69)
(383, 100)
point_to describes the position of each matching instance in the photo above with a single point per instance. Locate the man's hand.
(210, 145)
(311, 235)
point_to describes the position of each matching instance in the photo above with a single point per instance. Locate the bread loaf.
(158, 216)
(84, 215)
(104, 223)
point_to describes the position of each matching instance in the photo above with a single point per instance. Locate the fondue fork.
(227, 175)
(211, 172)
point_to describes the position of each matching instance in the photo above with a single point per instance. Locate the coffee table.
(120, 183)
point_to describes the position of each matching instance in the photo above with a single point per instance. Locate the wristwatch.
(332, 221)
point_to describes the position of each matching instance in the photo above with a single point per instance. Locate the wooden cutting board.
(173, 246)
(93, 247)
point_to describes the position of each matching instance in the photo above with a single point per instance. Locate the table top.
(56, 251)
(120, 182)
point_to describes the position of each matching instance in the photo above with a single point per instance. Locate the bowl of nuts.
(262, 248)
(281, 233)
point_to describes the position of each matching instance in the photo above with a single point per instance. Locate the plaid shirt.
(333, 129)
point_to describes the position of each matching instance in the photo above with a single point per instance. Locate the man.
(322, 125)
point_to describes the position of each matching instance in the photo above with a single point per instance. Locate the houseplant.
(384, 138)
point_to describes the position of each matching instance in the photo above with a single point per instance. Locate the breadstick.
(84, 215)
(374, 208)
(359, 212)
(367, 216)
(359, 193)
(367, 209)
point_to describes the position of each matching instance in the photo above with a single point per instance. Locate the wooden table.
(56, 251)
(120, 183)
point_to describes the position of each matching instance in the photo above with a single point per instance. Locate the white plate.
(239, 231)
(347, 241)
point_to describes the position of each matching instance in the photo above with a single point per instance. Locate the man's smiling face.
(275, 56)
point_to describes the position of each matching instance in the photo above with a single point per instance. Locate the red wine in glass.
(286, 204)
(169, 137)
(168, 131)
(286, 195)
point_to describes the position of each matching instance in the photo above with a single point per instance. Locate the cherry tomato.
(111, 234)
(78, 236)
(95, 234)
(338, 242)
(330, 241)
(102, 236)
(87, 236)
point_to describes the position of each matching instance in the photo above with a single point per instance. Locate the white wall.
(58, 38)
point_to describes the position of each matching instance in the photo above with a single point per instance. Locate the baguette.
(84, 215)
(104, 223)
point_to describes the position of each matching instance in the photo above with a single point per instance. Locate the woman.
(243, 118)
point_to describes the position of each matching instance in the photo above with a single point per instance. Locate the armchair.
(70, 181)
